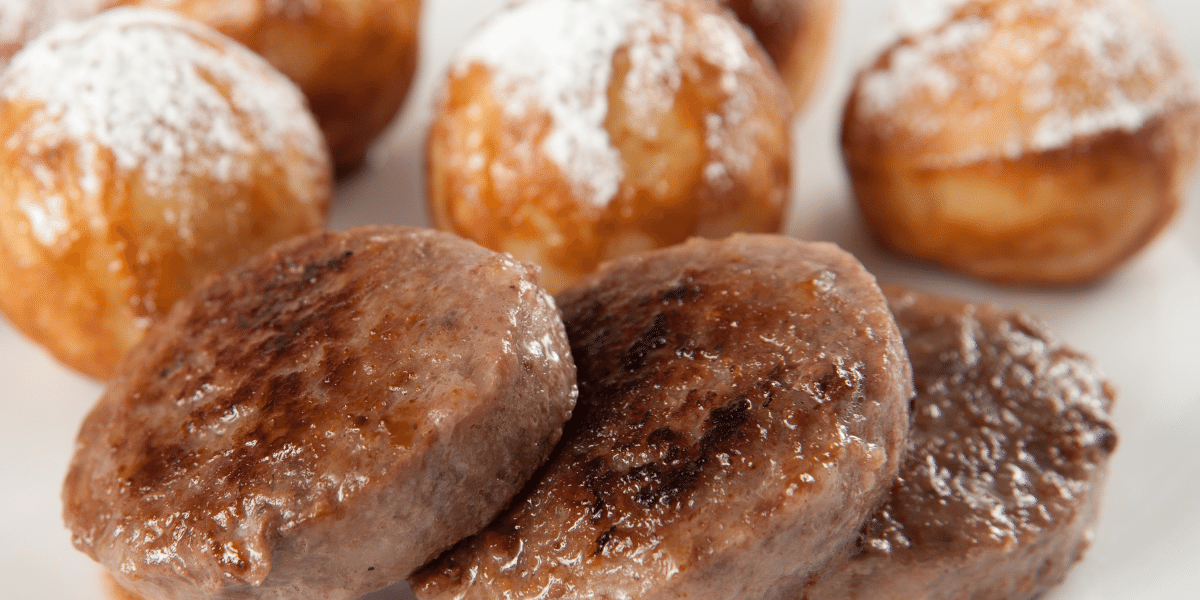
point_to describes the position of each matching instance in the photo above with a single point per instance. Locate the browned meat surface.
(1007, 457)
(319, 422)
(743, 406)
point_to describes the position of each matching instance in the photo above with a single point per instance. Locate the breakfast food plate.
(1140, 324)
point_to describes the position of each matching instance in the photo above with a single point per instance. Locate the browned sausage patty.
(1003, 478)
(322, 420)
(743, 405)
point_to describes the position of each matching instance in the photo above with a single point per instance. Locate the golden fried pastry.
(1023, 141)
(797, 35)
(144, 151)
(620, 126)
(354, 59)
(23, 20)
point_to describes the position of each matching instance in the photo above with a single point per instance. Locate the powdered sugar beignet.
(574, 131)
(1023, 141)
(145, 151)
(353, 59)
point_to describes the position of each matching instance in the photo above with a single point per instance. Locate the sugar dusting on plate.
(1077, 68)
(557, 56)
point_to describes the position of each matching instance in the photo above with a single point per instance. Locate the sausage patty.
(1004, 472)
(320, 421)
(743, 405)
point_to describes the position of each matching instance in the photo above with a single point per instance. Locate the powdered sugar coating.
(567, 67)
(910, 18)
(729, 149)
(169, 99)
(23, 20)
(1025, 75)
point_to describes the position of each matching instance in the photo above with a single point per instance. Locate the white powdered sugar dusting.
(47, 219)
(23, 20)
(911, 18)
(723, 48)
(915, 17)
(167, 98)
(915, 67)
(1117, 37)
(567, 67)
(653, 49)
(729, 145)
(1077, 68)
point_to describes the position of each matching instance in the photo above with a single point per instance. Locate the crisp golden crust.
(742, 403)
(1004, 474)
(322, 419)
(1057, 217)
(353, 59)
(118, 201)
(797, 35)
(1024, 142)
(573, 147)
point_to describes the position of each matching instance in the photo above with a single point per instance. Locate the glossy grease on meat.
(320, 421)
(1004, 473)
(743, 405)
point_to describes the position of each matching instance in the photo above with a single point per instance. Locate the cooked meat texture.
(743, 406)
(1005, 466)
(322, 420)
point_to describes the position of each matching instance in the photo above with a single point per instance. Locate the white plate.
(1143, 325)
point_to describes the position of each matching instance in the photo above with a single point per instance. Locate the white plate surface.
(1142, 325)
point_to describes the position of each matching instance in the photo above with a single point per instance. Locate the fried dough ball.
(620, 126)
(354, 59)
(144, 151)
(797, 35)
(1023, 141)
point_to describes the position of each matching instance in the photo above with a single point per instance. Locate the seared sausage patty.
(1006, 462)
(322, 420)
(743, 405)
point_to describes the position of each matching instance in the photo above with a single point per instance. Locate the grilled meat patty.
(1003, 476)
(322, 420)
(743, 405)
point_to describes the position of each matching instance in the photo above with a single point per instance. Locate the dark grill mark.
(687, 290)
(661, 435)
(603, 540)
(651, 339)
(724, 423)
(162, 462)
(337, 263)
(667, 482)
(273, 301)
